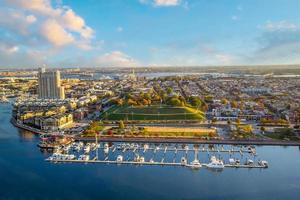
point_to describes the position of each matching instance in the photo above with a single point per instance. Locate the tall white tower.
(50, 85)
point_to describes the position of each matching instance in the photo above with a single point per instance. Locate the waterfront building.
(49, 85)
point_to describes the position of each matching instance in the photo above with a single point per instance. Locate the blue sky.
(128, 33)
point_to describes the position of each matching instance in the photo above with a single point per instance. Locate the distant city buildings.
(49, 85)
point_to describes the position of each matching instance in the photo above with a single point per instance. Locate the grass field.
(153, 113)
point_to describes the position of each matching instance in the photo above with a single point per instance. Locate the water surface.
(25, 175)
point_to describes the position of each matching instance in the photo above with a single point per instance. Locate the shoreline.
(190, 140)
(171, 139)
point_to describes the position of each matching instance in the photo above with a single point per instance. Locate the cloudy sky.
(121, 33)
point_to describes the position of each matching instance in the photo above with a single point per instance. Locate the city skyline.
(148, 33)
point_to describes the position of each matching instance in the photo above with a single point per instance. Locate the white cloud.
(16, 21)
(68, 25)
(281, 26)
(163, 3)
(167, 2)
(55, 33)
(115, 59)
(279, 43)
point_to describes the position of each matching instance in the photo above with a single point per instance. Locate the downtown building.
(49, 85)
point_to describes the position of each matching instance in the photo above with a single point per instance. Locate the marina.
(214, 157)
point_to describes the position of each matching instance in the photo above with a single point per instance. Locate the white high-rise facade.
(50, 85)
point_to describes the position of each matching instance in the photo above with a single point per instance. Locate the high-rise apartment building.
(49, 85)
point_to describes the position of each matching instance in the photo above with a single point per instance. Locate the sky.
(139, 33)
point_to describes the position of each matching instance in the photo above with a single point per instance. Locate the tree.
(121, 124)
(174, 102)
(145, 102)
(131, 102)
(169, 90)
(224, 101)
(234, 104)
(147, 96)
(214, 120)
(195, 101)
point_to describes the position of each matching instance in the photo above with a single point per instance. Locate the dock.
(148, 163)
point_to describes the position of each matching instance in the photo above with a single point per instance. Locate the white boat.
(195, 164)
(151, 160)
(215, 163)
(146, 147)
(140, 159)
(87, 148)
(84, 157)
(70, 157)
(263, 163)
(119, 159)
(186, 148)
(249, 162)
(234, 161)
(106, 148)
(183, 161)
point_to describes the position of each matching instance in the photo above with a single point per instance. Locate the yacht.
(87, 148)
(70, 157)
(215, 163)
(195, 164)
(146, 147)
(106, 148)
(183, 161)
(119, 159)
(249, 162)
(119, 147)
(84, 157)
(186, 148)
(234, 161)
(140, 159)
(263, 163)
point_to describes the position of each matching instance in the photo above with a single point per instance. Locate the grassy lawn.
(153, 113)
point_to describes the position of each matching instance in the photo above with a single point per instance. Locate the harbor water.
(25, 174)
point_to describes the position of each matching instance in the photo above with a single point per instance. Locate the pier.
(160, 155)
(147, 163)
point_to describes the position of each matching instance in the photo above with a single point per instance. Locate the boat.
(119, 147)
(234, 161)
(119, 159)
(70, 157)
(215, 163)
(146, 147)
(106, 148)
(140, 159)
(84, 157)
(186, 148)
(263, 163)
(151, 160)
(183, 161)
(87, 148)
(249, 162)
(195, 164)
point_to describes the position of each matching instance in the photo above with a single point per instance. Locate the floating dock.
(149, 163)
